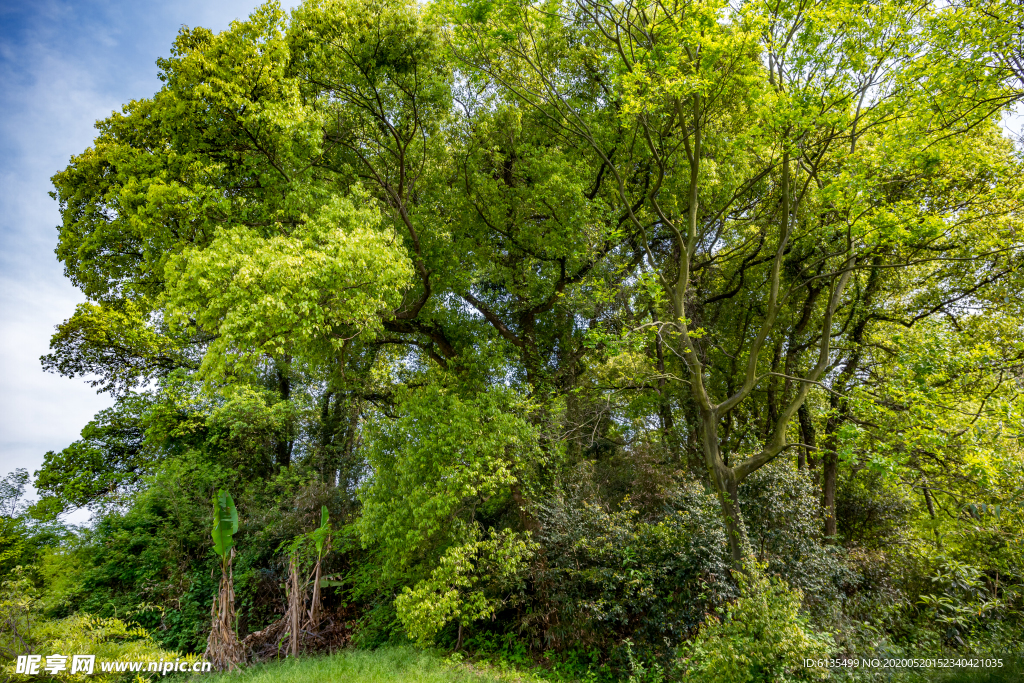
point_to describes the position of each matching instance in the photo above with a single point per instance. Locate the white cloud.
(63, 65)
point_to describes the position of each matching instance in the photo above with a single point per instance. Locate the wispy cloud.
(63, 65)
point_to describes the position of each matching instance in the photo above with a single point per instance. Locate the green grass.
(385, 665)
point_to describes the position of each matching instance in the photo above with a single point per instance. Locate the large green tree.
(779, 168)
(444, 254)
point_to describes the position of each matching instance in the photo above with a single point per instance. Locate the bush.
(608, 575)
(152, 561)
(760, 638)
(108, 639)
(782, 515)
(25, 631)
(870, 511)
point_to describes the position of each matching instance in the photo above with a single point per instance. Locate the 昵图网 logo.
(37, 665)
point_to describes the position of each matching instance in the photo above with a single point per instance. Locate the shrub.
(26, 632)
(870, 511)
(108, 639)
(760, 638)
(781, 511)
(608, 575)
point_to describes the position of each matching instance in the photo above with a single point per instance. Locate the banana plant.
(322, 540)
(222, 647)
(225, 526)
(322, 534)
(298, 618)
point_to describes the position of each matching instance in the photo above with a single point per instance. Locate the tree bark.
(829, 473)
(295, 604)
(806, 458)
(735, 530)
(284, 388)
(726, 485)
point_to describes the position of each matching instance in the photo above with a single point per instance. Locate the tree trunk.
(284, 388)
(808, 437)
(526, 519)
(839, 411)
(931, 513)
(727, 488)
(830, 470)
(664, 406)
(734, 527)
(295, 604)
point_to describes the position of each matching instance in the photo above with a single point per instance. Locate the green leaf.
(225, 523)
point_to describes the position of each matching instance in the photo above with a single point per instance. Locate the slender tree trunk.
(314, 605)
(295, 602)
(808, 437)
(931, 512)
(838, 414)
(284, 388)
(664, 407)
(829, 471)
(771, 395)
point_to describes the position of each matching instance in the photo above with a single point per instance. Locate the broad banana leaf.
(225, 523)
(320, 535)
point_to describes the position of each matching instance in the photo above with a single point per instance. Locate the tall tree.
(751, 149)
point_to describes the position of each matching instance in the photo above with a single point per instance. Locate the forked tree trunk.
(735, 530)
(724, 481)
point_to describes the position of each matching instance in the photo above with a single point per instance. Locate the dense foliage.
(671, 339)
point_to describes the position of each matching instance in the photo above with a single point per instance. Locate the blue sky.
(63, 65)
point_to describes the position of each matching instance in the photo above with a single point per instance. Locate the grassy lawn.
(385, 665)
(411, 665)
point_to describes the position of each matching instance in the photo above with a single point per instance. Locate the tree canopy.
(468, 260)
